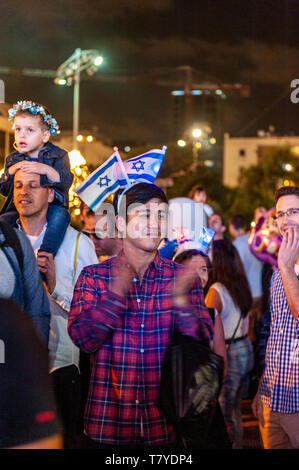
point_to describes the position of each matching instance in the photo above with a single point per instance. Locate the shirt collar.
(157, 261)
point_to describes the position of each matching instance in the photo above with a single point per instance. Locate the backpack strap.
(12, 240)
(76, 254)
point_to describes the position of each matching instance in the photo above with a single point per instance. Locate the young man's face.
(30, 198)
(30, 135)
(147, 225)
(287, 204)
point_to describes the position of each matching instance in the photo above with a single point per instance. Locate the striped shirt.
(128, 338)
(280, 383)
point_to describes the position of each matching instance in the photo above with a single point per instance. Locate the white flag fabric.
(145, 167)
(104, 181)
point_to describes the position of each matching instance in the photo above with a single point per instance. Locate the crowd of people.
(99, 311)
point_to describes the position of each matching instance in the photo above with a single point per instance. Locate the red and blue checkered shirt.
(128, 338)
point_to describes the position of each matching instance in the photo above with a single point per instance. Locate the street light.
(69, 73)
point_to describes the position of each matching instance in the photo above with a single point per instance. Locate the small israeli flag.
(104, 181)
(145, 167)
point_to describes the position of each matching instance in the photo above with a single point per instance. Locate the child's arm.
(62, 166)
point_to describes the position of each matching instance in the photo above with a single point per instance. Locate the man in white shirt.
(76, 251)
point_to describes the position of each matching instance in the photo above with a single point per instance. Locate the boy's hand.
(41, 169)
(123, 279)
(46, 266)
(14, 168)
(185, 281)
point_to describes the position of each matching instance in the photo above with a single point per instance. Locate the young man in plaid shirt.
(123, 312)
(278, 409)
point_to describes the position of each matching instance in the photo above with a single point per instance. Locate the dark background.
(250, 42)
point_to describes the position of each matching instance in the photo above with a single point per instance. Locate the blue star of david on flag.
(138, 166)
(106, 181)
(145, 167)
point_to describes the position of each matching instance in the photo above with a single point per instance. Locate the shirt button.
(141, 350)
(137, 402)
(138, 300)
(142, 325)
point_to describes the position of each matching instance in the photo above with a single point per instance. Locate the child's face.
(30, 135)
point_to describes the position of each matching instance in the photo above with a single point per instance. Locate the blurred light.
(288, 167)
(212, 140)
(78, 171)
(286, 183)
(77, 211)
(196, 92)
(98, 61)
(218, 92)
(209, 163)
(127, 148)
(76, 159)
(60, 81)
(181, 143)
(295, 150)
(89, 138)
(178, 93)
(198, 145)
(196, 133)
(79, 138)
(253, 224)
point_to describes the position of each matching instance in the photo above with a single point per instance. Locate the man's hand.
(123, 279)
(184, 282)
(288, 252)
(46, 266)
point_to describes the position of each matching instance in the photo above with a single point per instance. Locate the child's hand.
(14, 168)
(41, 169)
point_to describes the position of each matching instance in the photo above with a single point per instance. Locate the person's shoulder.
(56, 151)
(168, 264)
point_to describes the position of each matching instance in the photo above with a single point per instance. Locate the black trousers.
(66, 381)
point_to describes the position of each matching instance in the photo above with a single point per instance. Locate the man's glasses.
(288, 213)
(91, 234)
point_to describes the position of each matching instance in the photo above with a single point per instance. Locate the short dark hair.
(139, 193)
(196, 189)
(286, 191)
(220, 216)
(237, 221)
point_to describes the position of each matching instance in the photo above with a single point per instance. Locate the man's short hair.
(237, 221)
(140, 193)
(286, 191)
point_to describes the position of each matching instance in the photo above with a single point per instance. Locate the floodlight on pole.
(69, 73)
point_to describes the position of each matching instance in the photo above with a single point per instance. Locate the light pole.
(69, 73)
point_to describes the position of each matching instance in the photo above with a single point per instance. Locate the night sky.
(252, 42)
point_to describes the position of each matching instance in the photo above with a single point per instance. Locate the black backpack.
(11, 240)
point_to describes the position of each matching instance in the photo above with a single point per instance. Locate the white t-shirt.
(230, 313)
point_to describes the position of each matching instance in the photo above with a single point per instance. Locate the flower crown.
(34, 109)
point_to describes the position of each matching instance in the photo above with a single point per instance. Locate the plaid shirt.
(280, 383)
(128, 338)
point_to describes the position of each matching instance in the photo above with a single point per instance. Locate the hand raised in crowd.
(185, 281)
(123, 277)
(289, 249)
(46, 266)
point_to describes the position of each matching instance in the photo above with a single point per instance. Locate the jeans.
(240, 362)
(58, 219)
